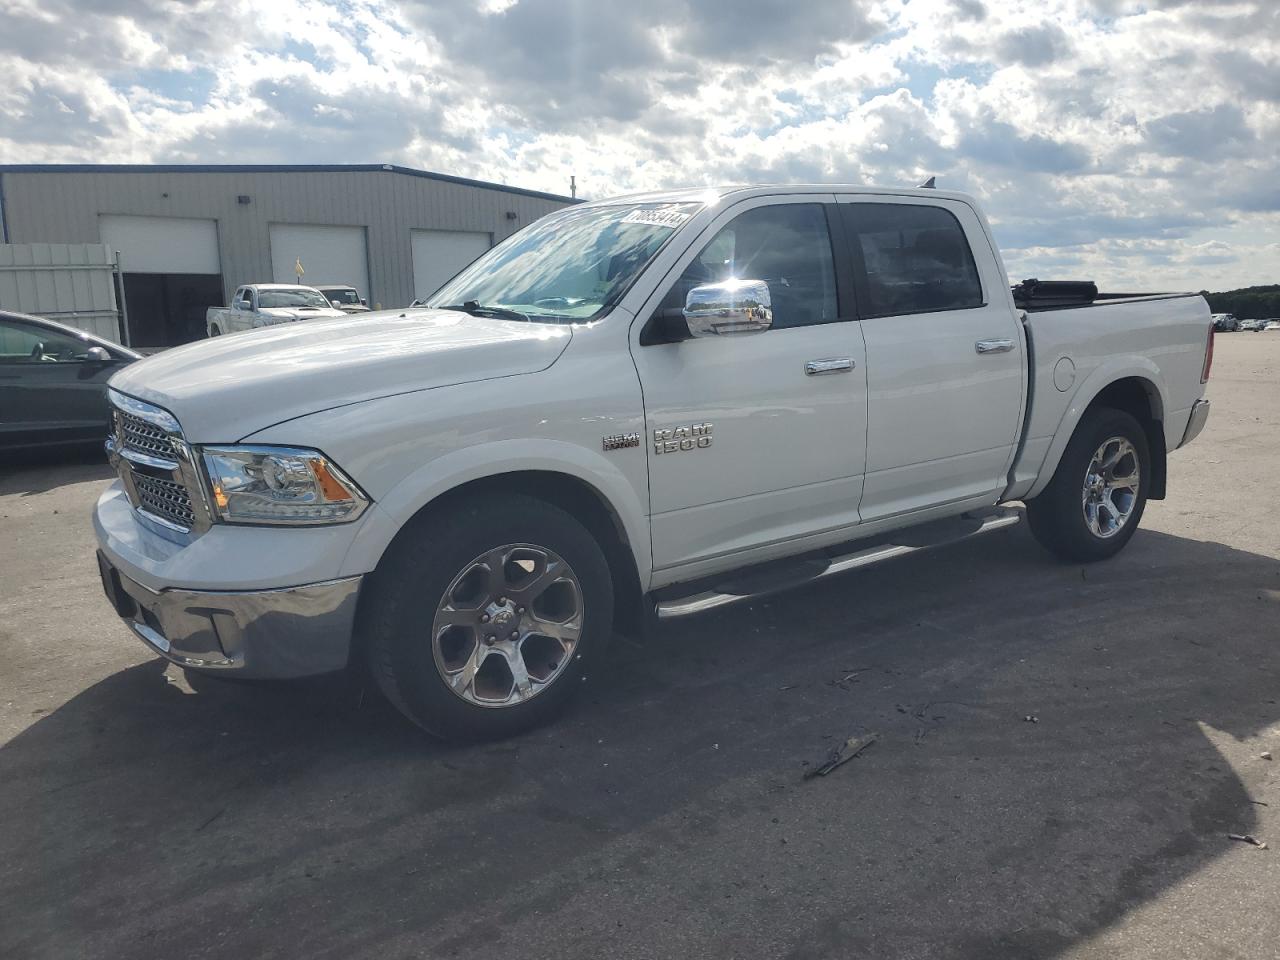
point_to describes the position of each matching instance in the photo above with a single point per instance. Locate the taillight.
(1208, 356)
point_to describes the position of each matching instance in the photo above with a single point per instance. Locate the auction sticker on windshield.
(658, 218)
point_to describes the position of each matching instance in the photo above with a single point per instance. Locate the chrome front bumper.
(263, 634)
(1195, 423)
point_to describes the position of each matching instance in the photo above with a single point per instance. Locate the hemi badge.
(620, 441)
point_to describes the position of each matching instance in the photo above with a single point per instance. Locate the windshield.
(341, 294)
(569, 267)
(291, 297)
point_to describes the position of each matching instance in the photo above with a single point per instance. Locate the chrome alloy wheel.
(508, 625)
(1111, 487)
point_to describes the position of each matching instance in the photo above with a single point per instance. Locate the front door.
(945, 357)
(756, 438)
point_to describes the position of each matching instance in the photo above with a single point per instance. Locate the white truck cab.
(617, 416)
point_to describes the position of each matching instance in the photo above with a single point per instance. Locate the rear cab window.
(910, 258)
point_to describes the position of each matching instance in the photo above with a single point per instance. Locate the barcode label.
(657, 218)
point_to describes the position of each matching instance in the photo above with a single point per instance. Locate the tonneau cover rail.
(1037, 295)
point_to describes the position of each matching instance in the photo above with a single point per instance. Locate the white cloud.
(1129, 141)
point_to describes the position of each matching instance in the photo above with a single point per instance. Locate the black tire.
(399, 607)
(1057, 515)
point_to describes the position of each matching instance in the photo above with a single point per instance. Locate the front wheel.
(1097, 495)
(481, 622)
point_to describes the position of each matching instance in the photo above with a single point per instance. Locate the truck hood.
(288, 314)
(225, 388)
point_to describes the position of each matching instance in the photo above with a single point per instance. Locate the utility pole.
(573, 187)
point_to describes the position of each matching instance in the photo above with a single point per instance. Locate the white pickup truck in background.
(631, 410)
(267, 304)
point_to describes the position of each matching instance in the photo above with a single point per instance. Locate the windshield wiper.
(487, 310)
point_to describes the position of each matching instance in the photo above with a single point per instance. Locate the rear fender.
(1109, 372)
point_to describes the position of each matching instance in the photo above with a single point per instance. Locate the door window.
(24, 343)
(786, 245)
(915, 259)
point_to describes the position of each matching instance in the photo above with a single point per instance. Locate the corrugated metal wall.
(63, 207)
(72, 283)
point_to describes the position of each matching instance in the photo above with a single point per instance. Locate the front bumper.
(1195, 423)
(262, 634)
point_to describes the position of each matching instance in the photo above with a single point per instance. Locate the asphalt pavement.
(1062, 753)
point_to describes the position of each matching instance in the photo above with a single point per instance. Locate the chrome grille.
(165, 499)
(144, 437)
(155, 466)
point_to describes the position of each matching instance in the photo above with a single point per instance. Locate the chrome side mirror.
(97, 355)
(734, 306)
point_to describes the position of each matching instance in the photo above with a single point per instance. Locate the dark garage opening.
(166, 309)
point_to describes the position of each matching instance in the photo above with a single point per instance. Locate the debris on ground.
(925, 718)
(841, 755)
(850, 676)
(1248, 838)
(1265, 755)
(1030, 718)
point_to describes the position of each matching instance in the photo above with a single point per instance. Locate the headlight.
(252, 484)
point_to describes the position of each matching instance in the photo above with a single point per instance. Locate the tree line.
(1249, 303)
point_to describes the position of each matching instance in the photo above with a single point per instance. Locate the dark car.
(53, 382)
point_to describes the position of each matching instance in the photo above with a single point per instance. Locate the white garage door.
(328, 255)
(439, 254)
(162, 244)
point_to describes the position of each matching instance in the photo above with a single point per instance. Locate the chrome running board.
(774, 578)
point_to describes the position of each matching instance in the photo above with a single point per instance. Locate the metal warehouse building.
(187, 236)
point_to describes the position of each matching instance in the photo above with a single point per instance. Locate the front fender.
(408, 449)
(1108, 372)
(450, 471)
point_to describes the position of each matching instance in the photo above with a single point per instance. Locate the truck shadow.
(668, 811)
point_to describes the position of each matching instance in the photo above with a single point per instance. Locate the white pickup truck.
(267, 304)
(631, 410)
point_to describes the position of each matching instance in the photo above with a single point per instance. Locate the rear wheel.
(1096, 498)
(481, 623)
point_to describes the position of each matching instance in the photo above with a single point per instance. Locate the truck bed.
(1155, 340)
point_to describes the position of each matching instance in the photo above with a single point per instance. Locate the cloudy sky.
(1134, 142)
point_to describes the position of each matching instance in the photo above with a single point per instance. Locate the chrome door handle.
(993, 346)
(817, 368)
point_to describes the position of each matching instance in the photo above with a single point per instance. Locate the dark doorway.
(166, 309)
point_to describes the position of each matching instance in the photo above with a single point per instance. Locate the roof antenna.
(929, 184)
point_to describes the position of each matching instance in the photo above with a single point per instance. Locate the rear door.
(945, 357)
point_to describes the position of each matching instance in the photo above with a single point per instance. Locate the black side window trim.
(849, 222)
(847, 298)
